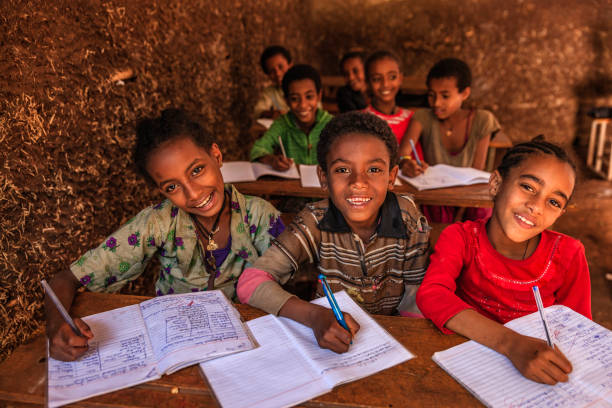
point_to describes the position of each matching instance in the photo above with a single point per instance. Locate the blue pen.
(332, 302)
(416, 155)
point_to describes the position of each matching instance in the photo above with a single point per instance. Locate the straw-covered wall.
(66, 128)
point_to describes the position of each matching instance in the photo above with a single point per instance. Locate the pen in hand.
(538, 299)
(332, 302)
(416, 155)
(60, 307)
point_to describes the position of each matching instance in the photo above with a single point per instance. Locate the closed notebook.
(289, 367)
(492, 378)
(237, 171)
(443, 175)
(139, 343)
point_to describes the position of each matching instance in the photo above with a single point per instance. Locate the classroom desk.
(499, 141)
(476, 195)
(417, 382)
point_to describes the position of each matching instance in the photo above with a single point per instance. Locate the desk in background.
(418, 381)
(476, 195)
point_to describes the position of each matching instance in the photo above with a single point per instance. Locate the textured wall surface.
(536, 64)
(66, 129)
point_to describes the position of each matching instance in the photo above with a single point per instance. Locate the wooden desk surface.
(501, 140)
(417, 382)
(476, 195)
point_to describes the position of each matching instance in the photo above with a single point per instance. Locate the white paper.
(493, 379)
(120, 355)
(443, 175)
(187, 329)
(308, 175)
(298, 369)
(265, 122)
(238, 171)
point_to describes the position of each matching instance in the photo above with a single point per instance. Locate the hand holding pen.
(68, 338)
(412, 165)
(336, 329)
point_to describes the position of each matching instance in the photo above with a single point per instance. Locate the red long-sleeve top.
(466, 272)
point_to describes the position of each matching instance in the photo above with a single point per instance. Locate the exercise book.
(492, 378)
(289, 367)
(237, 171)
(139, 343)
(443, 175)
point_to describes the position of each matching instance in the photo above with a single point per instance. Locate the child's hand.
(411, 168)
(329, 333)
(537, 361)
(66, 345)
(277, 161)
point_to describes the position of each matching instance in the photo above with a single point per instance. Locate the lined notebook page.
(373, 349)
(493, 379)
(120, 355)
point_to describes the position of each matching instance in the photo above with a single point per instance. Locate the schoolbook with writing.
(443, 175)
(289, 367)
(237, 171)
(493, 379)
(139, 343)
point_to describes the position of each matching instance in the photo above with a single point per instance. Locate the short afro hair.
(271, 51)
(356, 122)
(378, 56)
(350, 55)
(299, 72)
(451, 68)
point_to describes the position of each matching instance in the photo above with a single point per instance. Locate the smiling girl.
(204, 233)
(481, 273)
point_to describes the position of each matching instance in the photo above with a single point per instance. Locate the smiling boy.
(364, 238)
(299, 129)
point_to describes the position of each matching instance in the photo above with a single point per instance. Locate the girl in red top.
(481, 272)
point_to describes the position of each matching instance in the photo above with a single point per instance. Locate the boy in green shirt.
(298, 130)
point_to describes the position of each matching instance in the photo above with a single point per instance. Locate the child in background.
(384, 76)
(365, 239)
(204, 233)
(300, 128)
(353, 95)
(482, 272)
(275, 61)
(448, 133)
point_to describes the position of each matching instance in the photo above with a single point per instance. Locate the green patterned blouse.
(168, 232)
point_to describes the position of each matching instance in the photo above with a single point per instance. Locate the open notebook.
(443, 175)
(237, 171)
(493, 379)
(289, 367)
(139, 343)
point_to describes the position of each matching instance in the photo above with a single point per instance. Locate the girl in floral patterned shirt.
(204, 233)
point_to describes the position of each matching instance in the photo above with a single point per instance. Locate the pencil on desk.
(60, 307)
(538, 299)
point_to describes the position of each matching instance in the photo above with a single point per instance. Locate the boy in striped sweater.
(364, 238)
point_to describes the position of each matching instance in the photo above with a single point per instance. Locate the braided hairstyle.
(151, 133)
(537, 145)
(355, 122)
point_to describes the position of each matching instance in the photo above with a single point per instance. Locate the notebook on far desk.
(237, 171)
(443, 175)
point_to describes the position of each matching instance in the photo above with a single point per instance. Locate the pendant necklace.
(210, 235)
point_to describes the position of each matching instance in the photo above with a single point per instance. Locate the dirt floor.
(590, 220)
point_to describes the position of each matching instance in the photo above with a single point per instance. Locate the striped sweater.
(378, 274)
